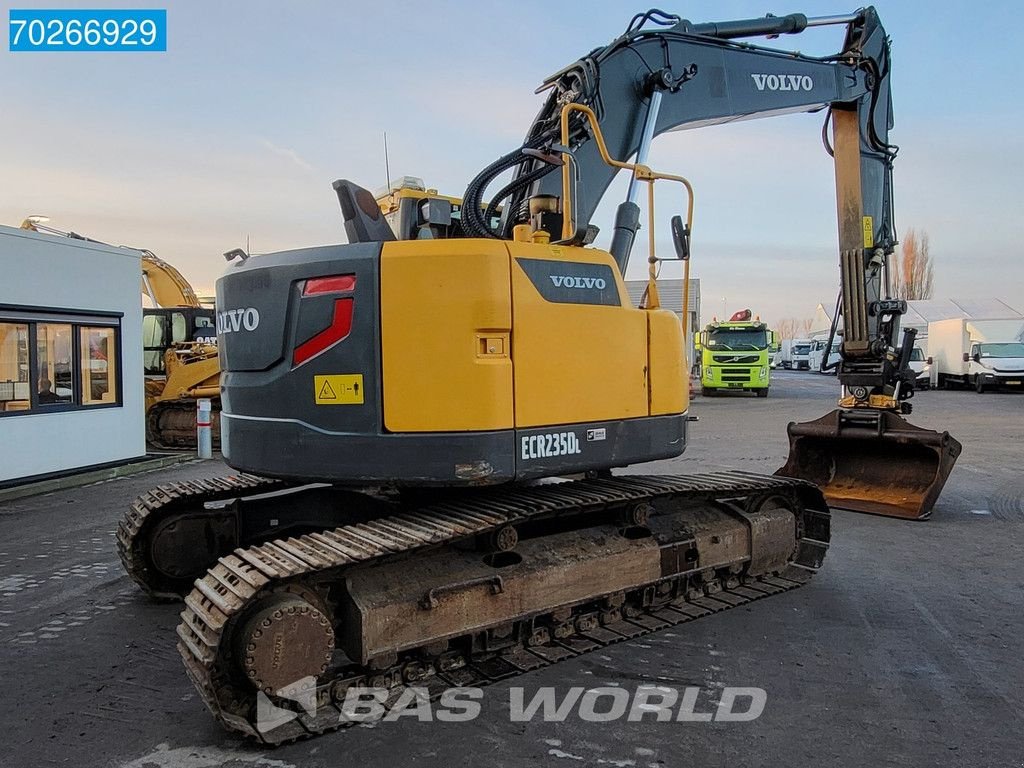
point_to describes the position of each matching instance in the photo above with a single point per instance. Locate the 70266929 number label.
(122, 29)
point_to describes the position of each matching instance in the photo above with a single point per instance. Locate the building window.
(52, 362)
(15, 393)
(99, 348)
(54, 379)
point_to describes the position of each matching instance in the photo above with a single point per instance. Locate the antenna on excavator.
(387, 168)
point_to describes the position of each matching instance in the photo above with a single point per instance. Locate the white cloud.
(287, 153)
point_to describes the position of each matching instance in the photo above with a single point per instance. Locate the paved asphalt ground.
(905, 650)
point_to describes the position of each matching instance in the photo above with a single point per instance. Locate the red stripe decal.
(340, 327)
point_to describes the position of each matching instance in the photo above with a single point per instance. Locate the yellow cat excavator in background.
(179, 339)
(179, 354)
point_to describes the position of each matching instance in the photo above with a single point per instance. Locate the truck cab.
(797, 357)
(820, 352)
(735, 355)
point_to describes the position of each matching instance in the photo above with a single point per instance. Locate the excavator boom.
(696, 75)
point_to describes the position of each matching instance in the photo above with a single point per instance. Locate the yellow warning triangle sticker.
(326, 393)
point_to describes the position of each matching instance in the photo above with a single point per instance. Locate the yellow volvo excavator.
(179, 354)
(394, 402)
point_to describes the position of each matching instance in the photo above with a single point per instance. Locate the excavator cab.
(163, 328)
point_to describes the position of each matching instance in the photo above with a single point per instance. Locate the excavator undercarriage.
(496, 582)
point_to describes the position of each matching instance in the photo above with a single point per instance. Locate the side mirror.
(696, 341)
(967, 357)
(929, 360)
(681, 238)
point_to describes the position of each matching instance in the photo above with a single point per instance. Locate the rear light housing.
(341, 317)
(335, 284)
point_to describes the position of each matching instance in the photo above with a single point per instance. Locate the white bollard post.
(204, 437)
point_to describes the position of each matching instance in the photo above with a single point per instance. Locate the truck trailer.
(984, 354)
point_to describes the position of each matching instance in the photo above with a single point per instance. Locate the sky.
(237, 131)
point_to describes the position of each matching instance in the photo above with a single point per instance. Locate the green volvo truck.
(735, 355)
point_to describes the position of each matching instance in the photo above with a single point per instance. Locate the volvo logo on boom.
(567, 281)
(234, 320)
(765, 82)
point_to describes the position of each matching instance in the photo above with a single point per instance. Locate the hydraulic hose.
(512, 188)
(474, 221)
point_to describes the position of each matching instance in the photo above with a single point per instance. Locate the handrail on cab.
(640, 173)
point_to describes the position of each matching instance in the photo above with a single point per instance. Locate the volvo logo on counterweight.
(567, 281)
(234, 320)
(766, 82)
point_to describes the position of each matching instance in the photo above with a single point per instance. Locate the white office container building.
(71, 387)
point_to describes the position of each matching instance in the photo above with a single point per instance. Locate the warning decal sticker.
(338, 389)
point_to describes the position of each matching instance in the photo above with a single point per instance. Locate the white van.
(922, 367)
(984, 354)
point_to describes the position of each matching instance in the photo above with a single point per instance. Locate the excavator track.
(265, 619)
(171, 424)
(173, 533)
(153, 507)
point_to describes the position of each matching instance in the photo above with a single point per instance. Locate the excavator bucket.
(872, 461)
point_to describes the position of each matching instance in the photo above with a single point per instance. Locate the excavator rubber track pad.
(874, 461)
(552, 654)
(626, 629)
(302, 572)
(714, 606)
(494, 669)
(580, 644)
(457, 678)
(649, 623)
(692, 610)
(603, 636)
(522, 660)
(730, 598)
(671, 616)
(748, 593)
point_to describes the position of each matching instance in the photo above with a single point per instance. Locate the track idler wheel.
(283, 641)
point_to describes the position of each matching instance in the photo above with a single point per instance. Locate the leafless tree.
(792, 328)
(912, 268)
